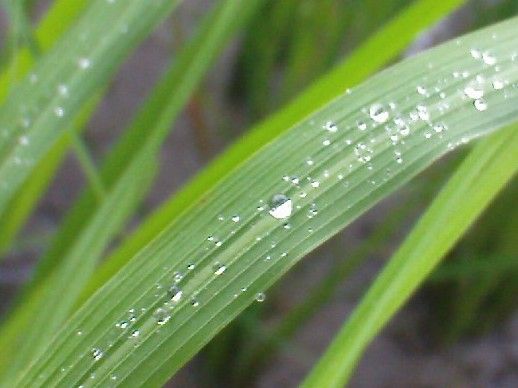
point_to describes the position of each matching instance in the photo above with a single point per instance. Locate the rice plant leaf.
(287, 198)
(486, 170)
(58, 19)
(386, 43)
(45, 35)
(43, 104)
(91, 225)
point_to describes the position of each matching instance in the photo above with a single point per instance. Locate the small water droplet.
(475, 53)
(280, 206)
(330, 126)
(123, 324)
(63, 90)
(24, 140)
(84, 63)
(361, 125)
(422, 90)
(474, 91)
(260, 297)
(135, 333)
(488, 58)
(219, 269)
(423, 113)
(59, 111)
(236, 218)
(326, 142)
(97, 354)
(480, 104)
(175, 294)
(497, 84)
(161, 316)
(378, 113)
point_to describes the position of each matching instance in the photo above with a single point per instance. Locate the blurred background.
(460, 329)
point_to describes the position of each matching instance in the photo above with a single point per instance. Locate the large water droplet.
(280, 206)
(378, 113)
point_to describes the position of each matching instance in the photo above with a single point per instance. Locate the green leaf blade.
(80, 62)
(490, 165)
(224, 264)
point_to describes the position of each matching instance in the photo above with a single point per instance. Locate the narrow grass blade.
(35, 115)
(387, 43)
(227, 248)
(486, 170)
(60, 17)
(44, 36)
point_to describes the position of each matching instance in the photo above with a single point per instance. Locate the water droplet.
(59, 111)
(219, 269)
(123, 324)
(175, 294)
(497, 84)
(363, 152)
(260, 297)
(177, 276)
(313, 210)
(194, 302)
(474, 91)
(63, 90)
(161, 316)
(135, 333)
(235, 218)
(97, 354)
(330, 126)
(475, 53)
(423, 113)
(23, 140)
(378, 113)
(280, 206)
(361, 125)
(190, 267)
(422, 90)
(84, 63)
(488, 58)
(480, 104)
(315, 184)
(326, 142)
